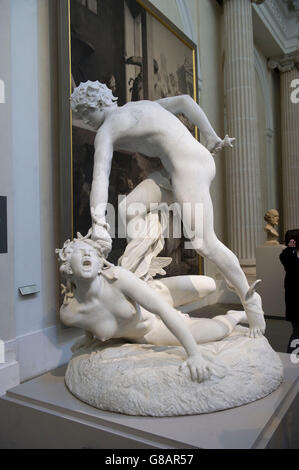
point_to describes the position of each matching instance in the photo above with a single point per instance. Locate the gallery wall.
(170, 9)
(32, 161)
(268, 111)
(29, 178)
(26, 163)
(7, 319)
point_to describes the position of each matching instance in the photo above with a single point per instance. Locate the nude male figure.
(151, 128)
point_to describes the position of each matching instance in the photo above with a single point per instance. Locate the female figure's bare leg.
(183, 290)
(204, 330)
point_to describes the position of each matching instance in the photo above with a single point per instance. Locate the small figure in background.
(272, 219)
(290, 260)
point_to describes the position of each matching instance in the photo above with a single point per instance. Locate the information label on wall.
(3, 224)
(2, 92)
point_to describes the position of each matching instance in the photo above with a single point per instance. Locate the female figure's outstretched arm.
(138, 291)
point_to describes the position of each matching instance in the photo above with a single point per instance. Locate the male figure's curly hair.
(92, 95)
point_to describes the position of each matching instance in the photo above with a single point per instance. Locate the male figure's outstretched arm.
(186, 105)
(100, 183)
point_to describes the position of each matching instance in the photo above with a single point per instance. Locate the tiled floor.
(278, 331)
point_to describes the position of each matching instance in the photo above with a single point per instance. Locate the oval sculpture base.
(145, 380)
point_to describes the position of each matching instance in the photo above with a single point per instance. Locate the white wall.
(169, 8)
(26, 164)
(7, 317)
(29, 124)
(268, 109)
(48, 156)
(34, 156)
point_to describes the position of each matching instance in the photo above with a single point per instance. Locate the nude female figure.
(108, 301)
(152, 129)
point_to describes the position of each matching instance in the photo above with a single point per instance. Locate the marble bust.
(272, 219)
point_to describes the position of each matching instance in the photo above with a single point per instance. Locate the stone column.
(288, 66)
(242, 163)
(271, 178)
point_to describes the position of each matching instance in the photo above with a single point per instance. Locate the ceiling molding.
(281, 19)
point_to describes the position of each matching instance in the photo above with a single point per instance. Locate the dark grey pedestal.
(270, 270)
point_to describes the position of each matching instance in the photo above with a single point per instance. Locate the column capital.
(285, 63)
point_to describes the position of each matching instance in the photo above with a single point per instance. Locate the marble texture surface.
(147, 380)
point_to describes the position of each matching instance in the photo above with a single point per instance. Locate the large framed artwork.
(139, 54)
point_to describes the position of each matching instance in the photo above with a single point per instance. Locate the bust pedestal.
(270, 270)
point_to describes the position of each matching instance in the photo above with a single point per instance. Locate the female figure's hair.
(102, 247)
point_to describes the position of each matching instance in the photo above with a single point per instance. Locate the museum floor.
(278, 330)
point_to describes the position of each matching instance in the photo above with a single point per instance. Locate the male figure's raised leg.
(197, 191)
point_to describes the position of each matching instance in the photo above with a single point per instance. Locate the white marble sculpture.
(272, 219)
(152, 129)
(140, 355)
